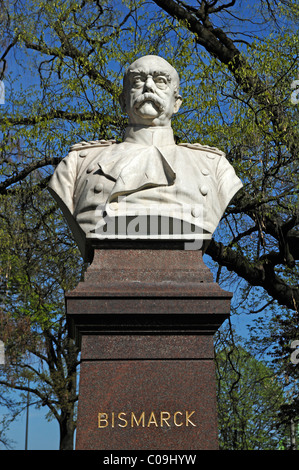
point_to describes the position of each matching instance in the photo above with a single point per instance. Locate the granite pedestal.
(144, 317)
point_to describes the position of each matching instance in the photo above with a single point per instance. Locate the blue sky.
(42, 434)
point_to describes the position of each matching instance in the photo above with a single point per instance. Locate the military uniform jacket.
(147, 170)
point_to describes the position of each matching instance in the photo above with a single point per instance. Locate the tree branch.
(260, 273)
(69, 50)
(26, 171)
(56, 114)
(219, 45)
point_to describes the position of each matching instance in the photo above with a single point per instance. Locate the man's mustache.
(149, 97)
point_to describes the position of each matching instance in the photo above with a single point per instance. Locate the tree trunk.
(67, 430)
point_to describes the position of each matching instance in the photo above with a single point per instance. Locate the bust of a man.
(146, 186)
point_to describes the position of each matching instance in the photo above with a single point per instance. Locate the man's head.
(150, 93)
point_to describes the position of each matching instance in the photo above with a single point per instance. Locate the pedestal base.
(147, 393)
(145, 319)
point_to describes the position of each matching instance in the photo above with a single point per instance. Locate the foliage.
(250, 397)
(38, 264)
(276, 339)
(62, 64)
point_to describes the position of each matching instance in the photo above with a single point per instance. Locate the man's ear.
(122, 102)
(177, 104)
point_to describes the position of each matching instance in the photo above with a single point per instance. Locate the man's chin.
(147, 117)
(148, 109)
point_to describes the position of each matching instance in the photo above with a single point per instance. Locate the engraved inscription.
(146, 420)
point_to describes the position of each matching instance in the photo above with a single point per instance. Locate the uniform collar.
(157, 136)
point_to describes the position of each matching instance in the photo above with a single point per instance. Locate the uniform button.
(90, 169)
(98, 188)
(205, 172)
(195, 211)
(113, 206)
(204, 190)
(83, 153)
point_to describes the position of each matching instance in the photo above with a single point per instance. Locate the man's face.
(149, 95)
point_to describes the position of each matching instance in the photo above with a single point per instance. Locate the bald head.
(150, 91)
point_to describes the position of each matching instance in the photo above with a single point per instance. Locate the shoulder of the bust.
(210, 151)
(82, 147)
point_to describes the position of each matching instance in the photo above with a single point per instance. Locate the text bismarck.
(142, 419)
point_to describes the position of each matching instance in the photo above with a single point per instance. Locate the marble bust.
(146, 186)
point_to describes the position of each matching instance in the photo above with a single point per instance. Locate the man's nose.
(150, 85)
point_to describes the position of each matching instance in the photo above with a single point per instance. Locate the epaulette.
(197, 146)
(92, 144)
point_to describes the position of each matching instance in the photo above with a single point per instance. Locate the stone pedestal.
(145, 316)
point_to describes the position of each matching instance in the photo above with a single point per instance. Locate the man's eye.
(137, 81)
(160, 80)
